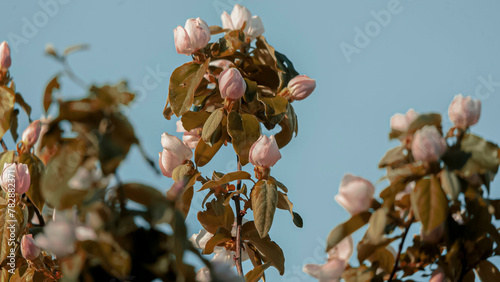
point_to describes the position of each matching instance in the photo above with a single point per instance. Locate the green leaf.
(487, 271)
(289, 125)
(192, 120)
(257, 273)
(244, 130)
(212, 132)
(6, 158)
(229, 177)
(216, 215)
(47, 96)
(183, 84)
(7, 99)
(221, 236)
(288, 70)
(269, 249)
(36, 168)
(429, 203)
(450, 183)
(264, 198)
(347, 228)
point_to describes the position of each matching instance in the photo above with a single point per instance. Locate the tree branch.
(396, 262)
(239, 220)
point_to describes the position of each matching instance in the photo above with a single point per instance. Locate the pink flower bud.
(193, 36)
(29, 248)
(342, 250)
(32, 132)
(331, 271)
(58, 237)
(5, 60)
(231, 84)
(15, 178)
(264, 152)
(301, 87)
(464, 112)
(401, 122)
(438, 275)
(240, 15)
(223, 64)
(174, 154)
(190, 138)
(355, 194)
(428, 145)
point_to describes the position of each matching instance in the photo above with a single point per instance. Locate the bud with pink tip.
(355, 194)
(15, 178)
(231, 84)
(32, 132)
(190, 138)
(264, 152)
(29, 247)
(58, 237)
(401, 122)
(343, 250)
(193, 36)
(330, 271)
(464, 112)
(174, 154)
(5, 59)
(240, 15)
(428, 145)
(301, 87)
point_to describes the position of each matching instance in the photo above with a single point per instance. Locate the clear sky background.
(425, 54)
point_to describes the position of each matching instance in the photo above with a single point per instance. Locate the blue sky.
(421, 57)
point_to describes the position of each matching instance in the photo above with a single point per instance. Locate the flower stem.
(239, 220)
(396, 262)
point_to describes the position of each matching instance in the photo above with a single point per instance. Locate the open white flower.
(240, 15)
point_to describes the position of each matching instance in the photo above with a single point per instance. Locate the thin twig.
(396, 262)
(239, 220)
(121, 194)
(77, 80)
(5, 149)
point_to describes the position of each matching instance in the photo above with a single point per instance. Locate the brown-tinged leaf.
(215, 29)
(204, 153)
(229, 44)
(75, 48)
(450, 183)
(36, 168)
(257, 273)
(429, 203)
(112, 95)
(192, 120)
(264, 198)
(228, 177)
(378, 221)
(112, 258)
(183, 84)
(392, 157)
(269, 250)
(275, 106)
(14, 124)
(487, 271)
(11, 220)
(251, 90)
(285, 204)
(289, 125)
(221, 236)
(347, 228)
(212, 132)
(423, 120)
(7, 99)
(244, 130)
(385, 259)
(49, 89)
(26, 108)
(216, 215)
(185, 203)
(483, 155)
